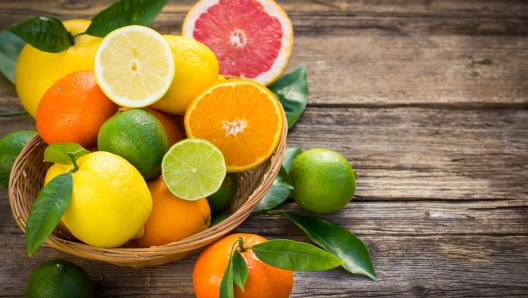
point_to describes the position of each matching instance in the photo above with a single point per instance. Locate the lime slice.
(193, 169)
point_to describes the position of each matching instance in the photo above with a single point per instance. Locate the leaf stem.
(241, 244)
(75, 166)
(78, 34)
(21, 113)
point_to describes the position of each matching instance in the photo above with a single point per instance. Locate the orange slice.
(251, 38)
(241, 117)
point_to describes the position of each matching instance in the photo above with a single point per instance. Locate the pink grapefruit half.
(251, 38)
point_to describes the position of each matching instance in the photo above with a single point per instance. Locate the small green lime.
(10, 147)
(225, 194)
(137, 136)
(218, 218)
(324, 181)
(193, 169)
(59, 279)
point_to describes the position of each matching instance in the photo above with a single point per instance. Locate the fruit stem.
(240, 241)
(75, 166)
(73, 37)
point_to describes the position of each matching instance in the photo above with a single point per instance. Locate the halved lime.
(193, 169)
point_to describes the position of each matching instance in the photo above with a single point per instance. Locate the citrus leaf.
(124, 13)
(58, 152)
(240, 270)
(226, 286)
(289, 155)
(47, 34)
(273, 198)
(338, 241)
(10, 47)
(292, 92)
(47, 210)
(296, 256)
(283, 179)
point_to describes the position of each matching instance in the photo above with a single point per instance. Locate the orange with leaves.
(264, 281)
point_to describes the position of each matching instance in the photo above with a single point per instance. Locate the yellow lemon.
(36, 70)
(110, 200)
(196, 67)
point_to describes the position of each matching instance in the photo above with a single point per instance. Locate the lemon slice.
(193, 169)
(134, 66)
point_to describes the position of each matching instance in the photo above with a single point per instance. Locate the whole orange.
(172, 218)
(263, 280)
(73, 110)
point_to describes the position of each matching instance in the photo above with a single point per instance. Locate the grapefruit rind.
(270, 7)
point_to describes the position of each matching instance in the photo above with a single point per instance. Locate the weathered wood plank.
(418, 153)
(374, 53)
(437, 266)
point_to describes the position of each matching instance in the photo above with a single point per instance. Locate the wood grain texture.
(378, 53)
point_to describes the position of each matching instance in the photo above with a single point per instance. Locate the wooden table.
(428, 100)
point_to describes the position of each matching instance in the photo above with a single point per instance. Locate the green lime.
(225, 194)
(193, 169)
(218, 218)
(58, 279)
(137, 136)
(324, 181)
(10, 147)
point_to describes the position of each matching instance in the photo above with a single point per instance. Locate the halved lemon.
(134, 66)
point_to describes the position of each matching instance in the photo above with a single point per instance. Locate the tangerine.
(73, 110)
(263, 280)
(172, 218)
(241, 117)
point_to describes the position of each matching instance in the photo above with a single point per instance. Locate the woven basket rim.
(156, 255)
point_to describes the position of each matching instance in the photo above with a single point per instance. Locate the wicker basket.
(26, 181)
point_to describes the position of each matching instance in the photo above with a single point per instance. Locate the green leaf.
(240, 269)
(338, 241)
(226, 286)
(124, 13)
(44, 33)
(273, 198)
(283, 179)
(47, 210)
(58, 152)
(289, 155)
(10, 47)
(292, 92)
(296, 256)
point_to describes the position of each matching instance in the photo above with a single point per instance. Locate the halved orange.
(241, 117)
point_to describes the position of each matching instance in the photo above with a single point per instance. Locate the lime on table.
(193, 169)
(60, 279)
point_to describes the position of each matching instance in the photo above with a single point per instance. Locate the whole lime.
(58, 279)
(225, 194)
(10, 147)
(137, 136)
(324, 181)
(218, 218)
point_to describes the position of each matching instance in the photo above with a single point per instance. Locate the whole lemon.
(37, 70)
(324, 181)
(195, 67)
(110, 201)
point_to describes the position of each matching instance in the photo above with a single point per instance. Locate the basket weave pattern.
(27, 178)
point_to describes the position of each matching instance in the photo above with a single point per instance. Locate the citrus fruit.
(137, 136)
(134, 66)
(172, 218)
(73, 110)
(195, 67)
(193, 169)
(37, 70)
(59, 279)
(169, 123)
(218, 218)
(225, 194)
(10, 147)
(241, 117)
(263, 280)
(110, 201)
(251, 39)
(324, 181)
